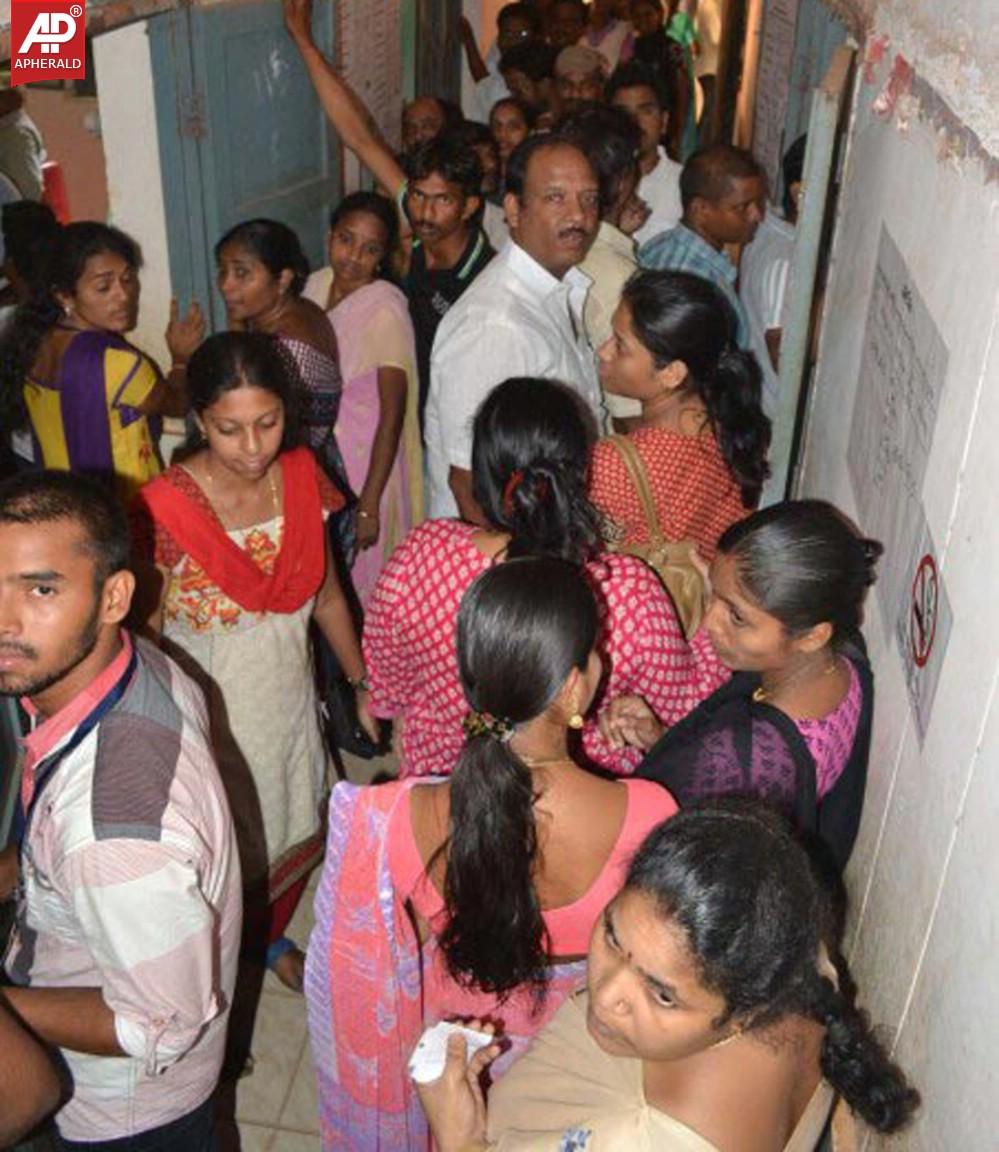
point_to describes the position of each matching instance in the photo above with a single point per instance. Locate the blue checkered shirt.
(682, 250)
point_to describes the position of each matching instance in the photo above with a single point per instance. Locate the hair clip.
(485, 724)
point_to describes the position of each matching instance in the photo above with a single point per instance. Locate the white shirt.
(494, 225)
(609, 42)
(763, 275)
(516, 319)
(660, 189)
(22, 153)
(490, 88)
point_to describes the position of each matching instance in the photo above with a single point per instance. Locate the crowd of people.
(495, 467)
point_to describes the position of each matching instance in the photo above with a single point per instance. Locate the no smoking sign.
(924, 609)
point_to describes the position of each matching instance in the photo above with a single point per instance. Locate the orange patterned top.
(695, 494)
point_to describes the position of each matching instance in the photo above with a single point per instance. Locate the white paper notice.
(902, 371)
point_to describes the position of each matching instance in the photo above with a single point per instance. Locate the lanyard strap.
(47, 768)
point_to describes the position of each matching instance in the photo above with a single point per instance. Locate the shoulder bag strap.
(639, 477)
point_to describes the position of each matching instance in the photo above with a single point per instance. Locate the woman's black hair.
(733, 875)
(522, 628)
(383, 209)
(231, 360)
(530, 469)
(678, 316)
(529, 114)
(30, 234)
(72, 247)
(274, 244)
(804, 563)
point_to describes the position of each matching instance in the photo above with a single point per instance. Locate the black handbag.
(338, 704)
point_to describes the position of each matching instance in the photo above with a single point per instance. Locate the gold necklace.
(548, 761)
(219, 510)
(761, 694)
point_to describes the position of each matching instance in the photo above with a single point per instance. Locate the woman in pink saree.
(474, 895)
(377, 427)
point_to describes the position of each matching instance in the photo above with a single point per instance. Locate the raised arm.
(476, 65)
(346, 112)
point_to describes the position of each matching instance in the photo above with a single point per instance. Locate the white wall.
(925, 873)
(135, 184)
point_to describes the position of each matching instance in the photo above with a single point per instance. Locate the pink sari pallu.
(364, 977)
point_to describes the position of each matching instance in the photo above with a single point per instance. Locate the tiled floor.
(276, 1107)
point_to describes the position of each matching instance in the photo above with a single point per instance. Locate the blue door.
(241, 134)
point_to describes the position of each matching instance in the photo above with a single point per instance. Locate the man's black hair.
(520, 157)
(709, 173)
(48, 496)
(534, 58)
(792, 170)
(451, 159)
(638, 74)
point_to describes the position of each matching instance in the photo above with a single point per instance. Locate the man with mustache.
(437, 187)
(129, 908)
(522, 317)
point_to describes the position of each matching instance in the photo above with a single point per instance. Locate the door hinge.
(192, 116)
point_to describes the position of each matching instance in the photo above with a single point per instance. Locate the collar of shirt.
(541, 283)
(610, 237)
(460, 271)
(718, 261)
(46, 736)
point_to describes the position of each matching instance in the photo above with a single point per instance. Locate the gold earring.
(576, 721)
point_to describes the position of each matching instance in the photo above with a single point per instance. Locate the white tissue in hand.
(427, 1062)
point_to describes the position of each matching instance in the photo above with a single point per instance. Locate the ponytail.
(496, 937)
(731, 394)
(679, 316)
(523, 626)
(547, 512)
(732, 874)
(856, 1064)
(530, 469)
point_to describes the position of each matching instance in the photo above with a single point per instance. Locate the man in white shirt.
(764, 273)
(22, 151)
(579, 77)
(636, 89)
(515, 23)
(523, 316)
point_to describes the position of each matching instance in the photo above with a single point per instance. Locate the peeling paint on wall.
(903, 96)
(953, 46)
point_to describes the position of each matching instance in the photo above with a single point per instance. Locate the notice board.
(902, 372)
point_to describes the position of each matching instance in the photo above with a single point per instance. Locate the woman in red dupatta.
(236, 534)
